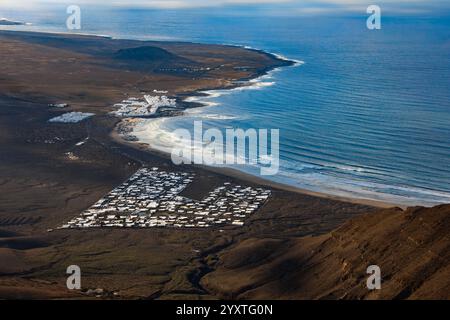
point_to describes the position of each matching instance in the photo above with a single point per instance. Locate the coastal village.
(144, 107)
(150, 105)
(151, 198)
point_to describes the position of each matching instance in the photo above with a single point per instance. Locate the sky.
(293, 6)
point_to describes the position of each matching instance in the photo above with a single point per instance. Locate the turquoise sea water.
(366, 115)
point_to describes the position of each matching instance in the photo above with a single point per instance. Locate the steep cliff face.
(412, 249)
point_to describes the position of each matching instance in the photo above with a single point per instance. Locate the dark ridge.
(8, 234)
(23, 243)
(147, 53)
(149, 58)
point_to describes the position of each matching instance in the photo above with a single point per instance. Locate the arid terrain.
(297, 246)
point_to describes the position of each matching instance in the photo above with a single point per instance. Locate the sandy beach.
(234, 173)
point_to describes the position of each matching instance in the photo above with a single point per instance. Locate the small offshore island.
(6, 22)
(69, 165)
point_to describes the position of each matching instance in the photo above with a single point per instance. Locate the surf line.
(238, 147)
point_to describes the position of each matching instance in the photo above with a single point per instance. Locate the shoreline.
(235, 84)
(231, 172)
(237, 174)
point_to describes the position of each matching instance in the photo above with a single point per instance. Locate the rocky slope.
(411, 247)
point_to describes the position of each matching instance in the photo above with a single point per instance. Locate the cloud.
(306, 6)
(143, 3)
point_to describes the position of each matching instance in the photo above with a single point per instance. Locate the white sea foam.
(158, 136)
(152, 132)
(295, 61)
(253, 84)
(8, 22)
(217, 117)
(362, 189)
(214, 93)
(277, 55)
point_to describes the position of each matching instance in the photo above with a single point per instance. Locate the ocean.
(366, 115)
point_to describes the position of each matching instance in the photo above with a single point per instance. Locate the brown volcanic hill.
(411, 247)
(144, 54)
(152, 58)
